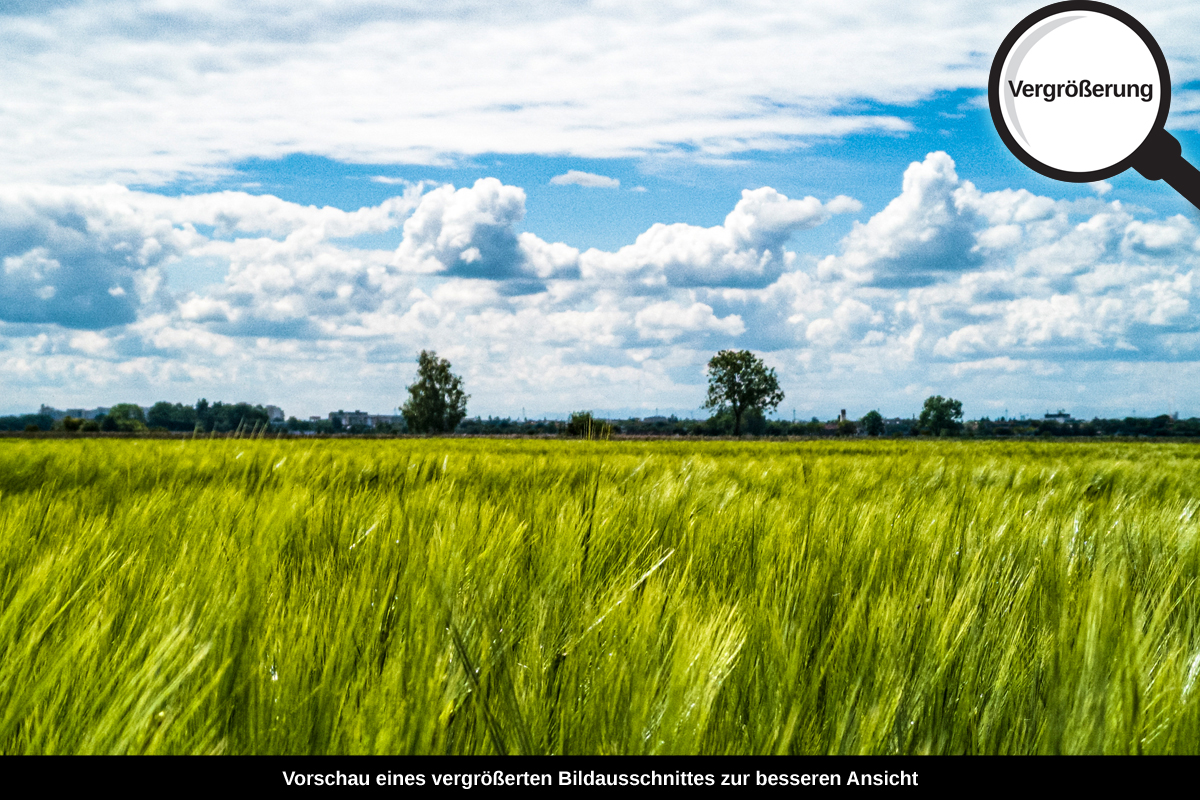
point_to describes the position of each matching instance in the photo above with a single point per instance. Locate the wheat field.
(541, 596)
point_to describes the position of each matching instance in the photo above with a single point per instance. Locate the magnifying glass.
(1079, 91)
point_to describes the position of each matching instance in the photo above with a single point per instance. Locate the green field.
(482, 596)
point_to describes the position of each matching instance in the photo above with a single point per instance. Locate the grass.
(473, 596)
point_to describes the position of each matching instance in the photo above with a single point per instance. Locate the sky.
(576, 203)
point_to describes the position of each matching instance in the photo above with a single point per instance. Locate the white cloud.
(113, 90)
(78, 258)
(468, 232)
(1026, 286)
(668, 321)
(923, 232)
(764, 219)
(1174, 235)
(588, 179)
(746, 250)
(90, 342)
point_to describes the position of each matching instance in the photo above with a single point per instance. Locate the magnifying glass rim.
(1006, 47)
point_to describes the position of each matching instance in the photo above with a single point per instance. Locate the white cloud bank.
(998, 297)
(145, 91)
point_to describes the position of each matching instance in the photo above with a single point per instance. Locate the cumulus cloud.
(465, 232)
(668, 321)
(926, 231)
(945, 283)
(99, 257)
(589, 179)
(1173, 236)
(746, 250)
(983, 281)
(80, 258)
(471, 233)
(238, 212)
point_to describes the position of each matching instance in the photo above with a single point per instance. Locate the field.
(483, 596)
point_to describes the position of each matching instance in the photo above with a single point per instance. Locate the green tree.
(941, 415)
(739, 381)
(873, 423)
(173, 417)
(131, 412)
(126, 417)
(583, 424)
(436, 402)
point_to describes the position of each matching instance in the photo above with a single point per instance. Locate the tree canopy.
(583, 424)
(436, 402)
(739, 381)
(128, 417)
(941, 415)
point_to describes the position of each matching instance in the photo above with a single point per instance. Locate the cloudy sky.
(576, 203)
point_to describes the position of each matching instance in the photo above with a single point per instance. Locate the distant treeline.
(131, 418)
(756, 425)
(229, 417)
(220, 417)
(1162, 425)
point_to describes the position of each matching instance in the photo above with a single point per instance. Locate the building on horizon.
(362, 419)
(57, 414)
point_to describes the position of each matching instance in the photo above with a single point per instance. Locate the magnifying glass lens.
(1079, 93)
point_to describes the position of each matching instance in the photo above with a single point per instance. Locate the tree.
(582, 423)
(873, 423)
(436, 402)
(125, 417)
(941, 415)
(739, 381)
(173, 417)
(129, 412)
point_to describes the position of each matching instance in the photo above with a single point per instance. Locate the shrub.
(583, 424)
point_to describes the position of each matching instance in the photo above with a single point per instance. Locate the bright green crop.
(481, 596)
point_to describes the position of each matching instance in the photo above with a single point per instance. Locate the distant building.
(360, 419)
(350, 418)
(833, 426)
(275, 414)
(77, 413)
(1061, 416)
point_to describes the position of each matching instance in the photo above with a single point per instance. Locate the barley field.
(542, 596)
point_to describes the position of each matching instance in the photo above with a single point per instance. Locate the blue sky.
(577, 204)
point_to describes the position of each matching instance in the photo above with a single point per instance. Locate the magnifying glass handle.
(1161, 158)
